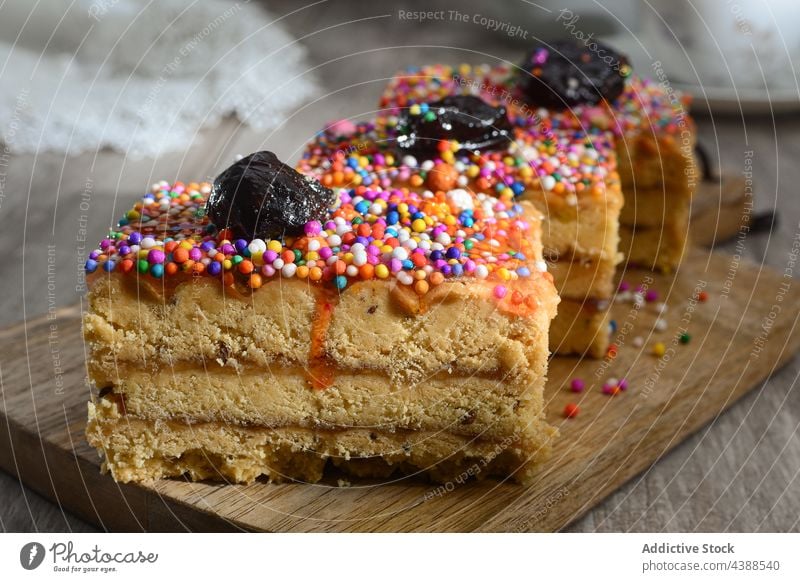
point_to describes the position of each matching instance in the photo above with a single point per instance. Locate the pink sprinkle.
(500, 291)
(341, 127)
(651, 296)
(577, 385)
(312, 228)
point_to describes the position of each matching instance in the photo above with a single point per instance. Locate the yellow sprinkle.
(473, 171)
(414, 110)
(257, 258)
(659, 349)
(227, 264)
(504, 274)
(419, 225)
(274, 245)
(381, 271)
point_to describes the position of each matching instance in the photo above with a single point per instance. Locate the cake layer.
(588, 232)
(477, 405)
(579, 279)
(656, 207)
(655, 248)
(652, 160)
(580, 328)
(374, 325)
(140, 450)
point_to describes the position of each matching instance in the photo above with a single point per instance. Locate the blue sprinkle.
(362, 207)
(613, 325)
(214, 268)
(157, 270)
(458, 270)
(91, 266)
(108, 266)
(523, 272)
(340, 281)
(453, 253)
(408, 264)
(518, 188)
(393, 218)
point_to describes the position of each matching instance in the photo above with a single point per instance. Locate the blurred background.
(100, 98)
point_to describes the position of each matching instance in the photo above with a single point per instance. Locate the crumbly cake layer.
(373, 325)
(579, 280)
(657, 207)
(581, 328)
(466, 405)
(659, 249)
(142, 450)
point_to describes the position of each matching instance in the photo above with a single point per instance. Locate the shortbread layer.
(581, 328)
(142, 450)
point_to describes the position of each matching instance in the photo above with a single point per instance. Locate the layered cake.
(274, 325)
(568, 171)
(565, 86)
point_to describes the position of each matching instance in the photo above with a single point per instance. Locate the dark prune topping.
(261, 197)
(569, 73)
(473, 123)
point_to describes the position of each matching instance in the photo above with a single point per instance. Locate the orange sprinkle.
(255, 281)
(180, 255)
(246, 267)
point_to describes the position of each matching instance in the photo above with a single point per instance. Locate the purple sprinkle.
(155, 257)
(134, 238)
(312, 228)
(195, 254)
(652, 295)
(577, 385)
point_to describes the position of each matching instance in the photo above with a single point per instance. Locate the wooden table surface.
(738, 474)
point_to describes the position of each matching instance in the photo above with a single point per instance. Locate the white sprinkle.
(278, 264)
(548, 183)
(360, 259)
(637, 342)
(409, 161)
(427, 165)
(661, 324)
(461, 199)
(351, 270)
(400, 253)
(314, 245)
(148, 242)
(334, 240)
(481, 272)
(257, 246)
(541, 266)
(289, 270)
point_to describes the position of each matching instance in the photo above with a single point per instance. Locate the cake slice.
(653, 134)
(368, 327)
(569, 173)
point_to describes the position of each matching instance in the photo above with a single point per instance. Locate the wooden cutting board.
(738, 338)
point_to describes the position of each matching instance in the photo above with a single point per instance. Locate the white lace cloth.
(144, 80)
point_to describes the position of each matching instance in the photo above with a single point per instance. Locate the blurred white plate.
(709, 98)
